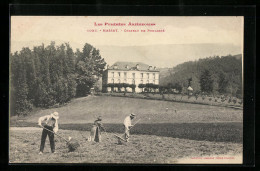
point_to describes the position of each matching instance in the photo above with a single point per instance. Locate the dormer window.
(137, 66)
(115, 67)
(127, 67)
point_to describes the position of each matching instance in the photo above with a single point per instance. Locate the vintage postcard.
(126, 89)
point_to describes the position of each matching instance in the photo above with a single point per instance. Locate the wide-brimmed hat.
(132, 114)
(55, 115)
(99, 118)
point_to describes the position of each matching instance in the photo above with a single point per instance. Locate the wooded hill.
(225, 73)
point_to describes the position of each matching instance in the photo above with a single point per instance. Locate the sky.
(177, 30)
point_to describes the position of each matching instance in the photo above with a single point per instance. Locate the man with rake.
(128, 125)
(50, 123)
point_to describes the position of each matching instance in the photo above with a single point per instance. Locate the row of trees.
(149, 87)
(223, 84)
(213, 75)
(119, 86)
(52, 75)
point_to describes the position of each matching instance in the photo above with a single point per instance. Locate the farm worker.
(50, 123)
(128, 125)
(95, 134)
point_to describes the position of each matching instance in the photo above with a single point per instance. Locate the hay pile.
(72, 145)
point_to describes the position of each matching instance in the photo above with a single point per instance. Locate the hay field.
(162, 136)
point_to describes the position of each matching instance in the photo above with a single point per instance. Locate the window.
(133, 75)
(153, 81)
(133, 81)
(119, 81)
(125, 74)
(124, 80)
(118, 74)
(148, 75)
(142, 81)
(113, 74)
(153, 75)
(147, 81)
(142, 75)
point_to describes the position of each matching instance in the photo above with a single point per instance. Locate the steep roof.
(131, 66)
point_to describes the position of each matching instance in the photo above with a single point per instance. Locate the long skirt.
(95, 134)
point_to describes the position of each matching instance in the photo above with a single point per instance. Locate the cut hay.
(72, 145)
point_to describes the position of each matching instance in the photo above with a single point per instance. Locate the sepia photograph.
(126, 89)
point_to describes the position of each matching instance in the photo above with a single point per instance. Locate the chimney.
(137, 66)
(150, 67)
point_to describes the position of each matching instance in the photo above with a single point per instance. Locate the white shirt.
(127, 122)
(46, 118)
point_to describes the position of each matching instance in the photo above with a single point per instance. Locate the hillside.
(229, 66)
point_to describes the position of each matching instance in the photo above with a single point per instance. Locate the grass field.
(166, 136)
(141, 149)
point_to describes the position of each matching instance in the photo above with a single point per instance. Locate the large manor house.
(132, 73)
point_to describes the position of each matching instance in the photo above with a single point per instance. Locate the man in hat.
(50, 125)
(128, 125)
(95, 134)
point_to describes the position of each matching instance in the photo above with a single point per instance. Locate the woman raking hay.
(95, 134)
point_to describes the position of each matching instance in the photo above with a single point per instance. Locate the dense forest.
(213, 75)
(50, 75)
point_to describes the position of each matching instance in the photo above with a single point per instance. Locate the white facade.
(132, 77)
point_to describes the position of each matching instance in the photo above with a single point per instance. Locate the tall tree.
(22, 104)
(44, 92)
(206, 82)
(29, 64)
(69, 71)
(222, 83)
(89, 68)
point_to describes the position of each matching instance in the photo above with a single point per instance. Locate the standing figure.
(128, 125)
(95, 134)
(50, 123)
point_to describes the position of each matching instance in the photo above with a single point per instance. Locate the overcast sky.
(178, 30)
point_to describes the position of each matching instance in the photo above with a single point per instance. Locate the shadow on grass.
(218, 132)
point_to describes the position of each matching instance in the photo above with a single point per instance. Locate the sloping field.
(181, 120)
(115, 109)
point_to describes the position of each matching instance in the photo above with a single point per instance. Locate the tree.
(169, 87)
(133, 86)
(44, 95)
(239, 93)
(21, 103)
(70, 71)
(141, 86)
(178, 87)
(89, 67)
(206, 82)
(125, 85)
(222, 83)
